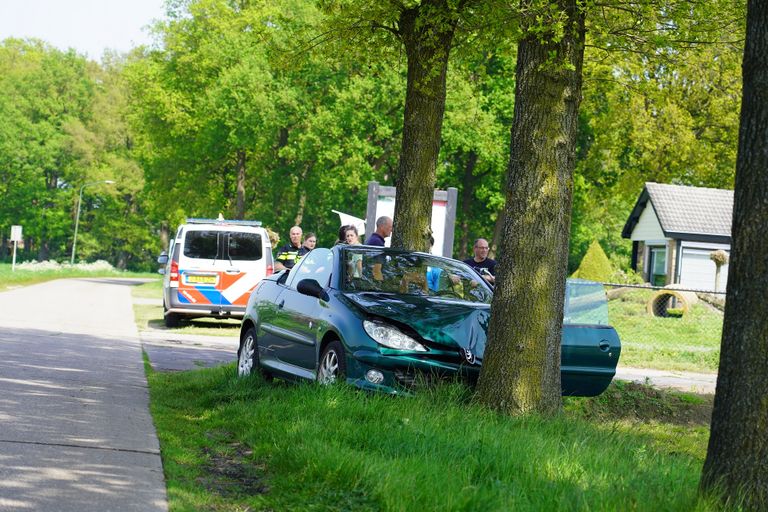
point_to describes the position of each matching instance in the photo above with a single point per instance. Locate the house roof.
(688, 213)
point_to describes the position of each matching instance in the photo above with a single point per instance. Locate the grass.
(245, 444)
(150, 316)
(688, 343)
(19, 277)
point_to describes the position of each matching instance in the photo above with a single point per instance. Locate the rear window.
(223, 245)
(202, 244)
(245, 246)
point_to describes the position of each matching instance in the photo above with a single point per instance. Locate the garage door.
(697, 271)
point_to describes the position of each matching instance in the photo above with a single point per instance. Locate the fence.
(667, 328)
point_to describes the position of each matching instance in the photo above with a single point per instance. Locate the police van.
(211, 267)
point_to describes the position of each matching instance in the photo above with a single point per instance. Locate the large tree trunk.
(737, 456)
(427, 32)
(521, 367)
(240, 195)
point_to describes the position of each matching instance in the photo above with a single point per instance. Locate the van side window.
(201, 244)
(245, 246)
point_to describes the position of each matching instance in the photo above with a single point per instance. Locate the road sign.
(15, 233)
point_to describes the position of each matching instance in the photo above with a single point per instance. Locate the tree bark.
(240, 194)
(737, 455)
(427, 33)
(521, 367)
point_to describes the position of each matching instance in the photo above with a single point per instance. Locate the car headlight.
(391, 337)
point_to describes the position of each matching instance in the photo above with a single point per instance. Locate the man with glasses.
(482, 264)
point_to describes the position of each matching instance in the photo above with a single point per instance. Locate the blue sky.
(88, 26)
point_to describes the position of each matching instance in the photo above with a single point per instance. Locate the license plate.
(201, 279)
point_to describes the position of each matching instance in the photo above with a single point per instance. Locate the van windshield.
(223, 245)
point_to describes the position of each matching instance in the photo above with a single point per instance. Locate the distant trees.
(736, 466)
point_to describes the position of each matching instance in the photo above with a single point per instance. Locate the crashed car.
(387, 320)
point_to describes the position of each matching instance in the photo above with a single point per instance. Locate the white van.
(212, 266)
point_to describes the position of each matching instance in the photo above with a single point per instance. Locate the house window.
(658, 266)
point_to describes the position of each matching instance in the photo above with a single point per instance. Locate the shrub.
(595, 265)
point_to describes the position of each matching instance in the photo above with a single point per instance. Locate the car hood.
(449, 323)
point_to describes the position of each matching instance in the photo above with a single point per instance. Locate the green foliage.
(595, 265)
(230, 443)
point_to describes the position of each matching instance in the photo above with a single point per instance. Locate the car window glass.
(404, 273)
(244, 246)
(316, 265)
(201, 244)
(585, 303)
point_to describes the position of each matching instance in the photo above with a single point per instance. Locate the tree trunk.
(737, 456)
(240, 195)
(521, 367)
(427, 32)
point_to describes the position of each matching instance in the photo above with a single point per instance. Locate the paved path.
(75, 428)
(682, 381)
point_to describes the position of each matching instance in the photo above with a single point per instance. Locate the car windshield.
(585, 303)
(404, 273)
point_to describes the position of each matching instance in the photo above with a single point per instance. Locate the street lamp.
(77, 217)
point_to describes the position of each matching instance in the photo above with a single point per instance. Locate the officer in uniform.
(290, 254)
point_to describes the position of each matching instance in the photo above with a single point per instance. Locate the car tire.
(248, 356)
(333, 364)
(172, 320)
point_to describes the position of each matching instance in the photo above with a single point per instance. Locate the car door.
(590, 347)
(199, 281)
(301, 314)
(244, 266)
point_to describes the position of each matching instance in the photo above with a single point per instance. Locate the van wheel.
(172, 320)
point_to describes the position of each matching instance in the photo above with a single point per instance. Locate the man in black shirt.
(383, 230)
(482, 264)
(290, 254)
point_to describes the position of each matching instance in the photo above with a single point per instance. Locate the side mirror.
(312, 288)
(163, 258)
(161, 271)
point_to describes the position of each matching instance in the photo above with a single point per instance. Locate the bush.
(595, 265)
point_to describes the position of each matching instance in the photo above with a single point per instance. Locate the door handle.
(604, 346)
(233, 271)
(280, 304)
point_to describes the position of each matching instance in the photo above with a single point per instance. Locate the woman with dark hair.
(342, 235)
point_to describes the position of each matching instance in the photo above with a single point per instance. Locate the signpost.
(15, 238)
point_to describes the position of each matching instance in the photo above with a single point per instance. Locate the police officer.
(290, 254)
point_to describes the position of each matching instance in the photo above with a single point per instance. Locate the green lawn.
(690, 343)
(23, 277)
(150, 316)
(245, 444)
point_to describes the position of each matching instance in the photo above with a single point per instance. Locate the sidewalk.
(682, 381)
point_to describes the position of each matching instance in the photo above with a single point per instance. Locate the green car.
(387, 320)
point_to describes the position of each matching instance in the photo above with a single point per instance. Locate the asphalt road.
(75, 428)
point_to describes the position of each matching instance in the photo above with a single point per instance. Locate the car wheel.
(333, 364)
(248, 355)
(172, 320)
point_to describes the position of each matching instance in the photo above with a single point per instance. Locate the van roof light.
(221, 221)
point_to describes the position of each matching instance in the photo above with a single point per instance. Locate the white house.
(674, 229)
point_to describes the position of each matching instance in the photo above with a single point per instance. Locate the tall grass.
(244, 444)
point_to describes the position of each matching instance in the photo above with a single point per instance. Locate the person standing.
(310, 241)
(481, 263)
(383, 230)
(290, 254)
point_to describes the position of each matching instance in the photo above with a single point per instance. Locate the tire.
(333, 364)
(248, 355)
(172, 320)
